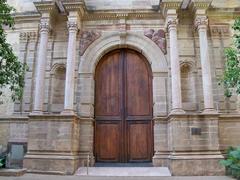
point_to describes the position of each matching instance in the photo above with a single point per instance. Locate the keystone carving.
(158, 37)
(86, 39)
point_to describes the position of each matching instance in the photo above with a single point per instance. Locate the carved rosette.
(86, 39)
(44, 25)
(201, 22)
(72, 26)
(158, 37)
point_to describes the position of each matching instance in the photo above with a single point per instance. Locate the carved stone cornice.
(45, 6)
(169, 7)
(75, 5)
(200, 4)
(127, 14)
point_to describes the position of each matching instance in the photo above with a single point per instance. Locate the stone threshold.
(124, 171)
(12, 172)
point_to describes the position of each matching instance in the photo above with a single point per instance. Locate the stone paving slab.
(123, 171)
(54, 177)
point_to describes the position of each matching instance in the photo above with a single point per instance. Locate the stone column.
(70, 72)
(172, 22)
(41, 63)
(201, 23)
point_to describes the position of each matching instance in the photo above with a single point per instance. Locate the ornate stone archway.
(88, 62)
(111, 41)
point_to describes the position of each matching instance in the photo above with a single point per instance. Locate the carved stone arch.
(56, 66)
(190, 64)
(131, 40)
(115, 40)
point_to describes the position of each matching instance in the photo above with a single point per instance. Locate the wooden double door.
(123, 108)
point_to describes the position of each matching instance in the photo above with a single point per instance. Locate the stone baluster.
(41, 64)
(70, 72)
(201, 22)
(172, 22)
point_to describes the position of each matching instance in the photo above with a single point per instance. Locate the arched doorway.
(123, 108)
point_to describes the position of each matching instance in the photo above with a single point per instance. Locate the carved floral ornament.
(158, 37)
(86, 39)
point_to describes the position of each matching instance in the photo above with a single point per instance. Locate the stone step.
(12, 172)
(123, 171)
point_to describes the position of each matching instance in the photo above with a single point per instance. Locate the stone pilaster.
(171, 22)
(201, 23)
(41, 63)
(71, 61)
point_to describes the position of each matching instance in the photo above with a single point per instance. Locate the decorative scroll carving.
(44, 25)
(201, 22)
(158, 37)
(72, 25)
(87, 38)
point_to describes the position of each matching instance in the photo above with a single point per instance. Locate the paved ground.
(54, 177)
(124, 171)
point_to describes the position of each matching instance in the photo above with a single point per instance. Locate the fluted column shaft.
(175, 66)
(41, 64)
(201, 24)
(70, 72)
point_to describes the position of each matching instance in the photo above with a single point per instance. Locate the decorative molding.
(201, 22)
(158, 37)
(45, 6)
(72, 26)
(76, 5)
(137, 14)
(87, 38)
(220, 30)
(44, 25)
(31, 35)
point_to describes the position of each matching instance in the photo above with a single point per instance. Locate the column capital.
(44, 25)
(171, 22)
(201, 22)
(72, 26)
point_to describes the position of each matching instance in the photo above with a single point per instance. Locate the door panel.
(123, 108)
(137, 86)
(139, 141)
(108, 138)
(108, 82)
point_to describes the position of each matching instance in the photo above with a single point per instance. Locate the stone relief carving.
(158, 37)
(87, 38)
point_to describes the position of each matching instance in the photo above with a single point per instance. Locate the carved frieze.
(87, 38)
(32, 35)
(158, 37)
(220, 30)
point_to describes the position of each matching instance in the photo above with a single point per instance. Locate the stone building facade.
(63, 42)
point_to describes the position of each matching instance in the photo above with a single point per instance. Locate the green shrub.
(2, 162)
(232, 162)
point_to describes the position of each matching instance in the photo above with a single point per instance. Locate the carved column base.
(177, 111)
(210, 111)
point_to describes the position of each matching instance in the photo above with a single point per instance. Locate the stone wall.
(229, 131)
